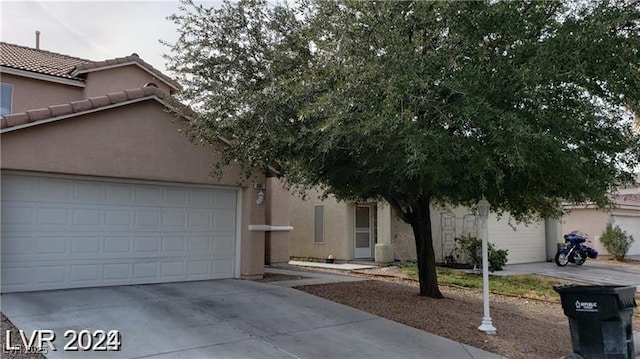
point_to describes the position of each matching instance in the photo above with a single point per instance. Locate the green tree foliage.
(529, 103)
(616, 241)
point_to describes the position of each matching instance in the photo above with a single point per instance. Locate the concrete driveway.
(591, 272)
(223, 319)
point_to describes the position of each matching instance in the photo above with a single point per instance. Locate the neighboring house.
(372, 231)
(100, 187)
(593, 221)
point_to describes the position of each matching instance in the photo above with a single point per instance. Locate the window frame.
(10, 86)
(317, 221)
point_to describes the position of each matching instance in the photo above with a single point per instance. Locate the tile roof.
(49, 113)
(41, 61)
(627, 199)
(51, 63)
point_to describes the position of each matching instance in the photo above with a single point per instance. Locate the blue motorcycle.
(574, 251)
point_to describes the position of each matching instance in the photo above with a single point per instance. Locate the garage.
(68, 232)
(631, 225)
(525, 243)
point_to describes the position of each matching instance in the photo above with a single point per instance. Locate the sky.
(93, 30)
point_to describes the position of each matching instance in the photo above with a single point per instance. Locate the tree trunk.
(420, 222)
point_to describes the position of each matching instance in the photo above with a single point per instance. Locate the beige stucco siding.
(29, 94)
(277, 214)
(118, 79)
(137, 141)
(593, 222)
(337, 227)
(588, 220)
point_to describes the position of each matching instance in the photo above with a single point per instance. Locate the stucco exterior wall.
(337, 227)
(593, 222)
(277, 214)
(138, 141)
(252, 244)
(117, 79)
(29, 94)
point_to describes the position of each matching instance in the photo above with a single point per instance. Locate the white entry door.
(364, 231)
(60, 232)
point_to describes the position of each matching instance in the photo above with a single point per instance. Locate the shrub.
(472, 246)
(616, 241)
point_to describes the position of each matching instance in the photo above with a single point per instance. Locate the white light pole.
(483, 211)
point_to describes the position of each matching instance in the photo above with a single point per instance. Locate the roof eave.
(172, 84)
(40, 76)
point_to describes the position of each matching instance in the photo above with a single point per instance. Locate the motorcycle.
(574, 251)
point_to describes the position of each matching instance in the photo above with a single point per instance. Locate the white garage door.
(526, 244)
(67, 233)
(632, 226)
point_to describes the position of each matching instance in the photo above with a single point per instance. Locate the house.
(101, 187)
(593, 221)
(371, 231)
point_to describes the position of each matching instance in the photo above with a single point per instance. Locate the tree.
(527, 103)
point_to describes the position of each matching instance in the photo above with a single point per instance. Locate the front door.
(364, 232)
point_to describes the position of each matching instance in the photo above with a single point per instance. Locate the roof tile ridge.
(91, 103)
(46, 51)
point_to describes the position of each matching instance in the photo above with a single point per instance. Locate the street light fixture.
(483, 207)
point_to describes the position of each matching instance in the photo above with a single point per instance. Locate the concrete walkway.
(338, 266)
(223, 319)
(310, 278)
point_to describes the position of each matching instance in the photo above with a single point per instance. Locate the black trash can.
(600, 320)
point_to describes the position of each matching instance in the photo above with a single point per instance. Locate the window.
(318, 225)
(6, 96)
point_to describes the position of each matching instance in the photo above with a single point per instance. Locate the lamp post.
(483, 211)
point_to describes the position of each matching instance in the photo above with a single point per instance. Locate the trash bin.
(600, 320)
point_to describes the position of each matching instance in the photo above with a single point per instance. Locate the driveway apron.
(223, 319)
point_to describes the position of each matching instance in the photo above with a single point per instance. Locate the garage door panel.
(84, 272)
(224, 199)
(86, 245)
(174, 244)
(53, 190)
(120, 194)
(90, 233)
(13, 246)
(88, 192)
(224, 220)
(148, 195)
(15, 215)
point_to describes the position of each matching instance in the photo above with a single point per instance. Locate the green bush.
(472, 246)
(616, 241)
